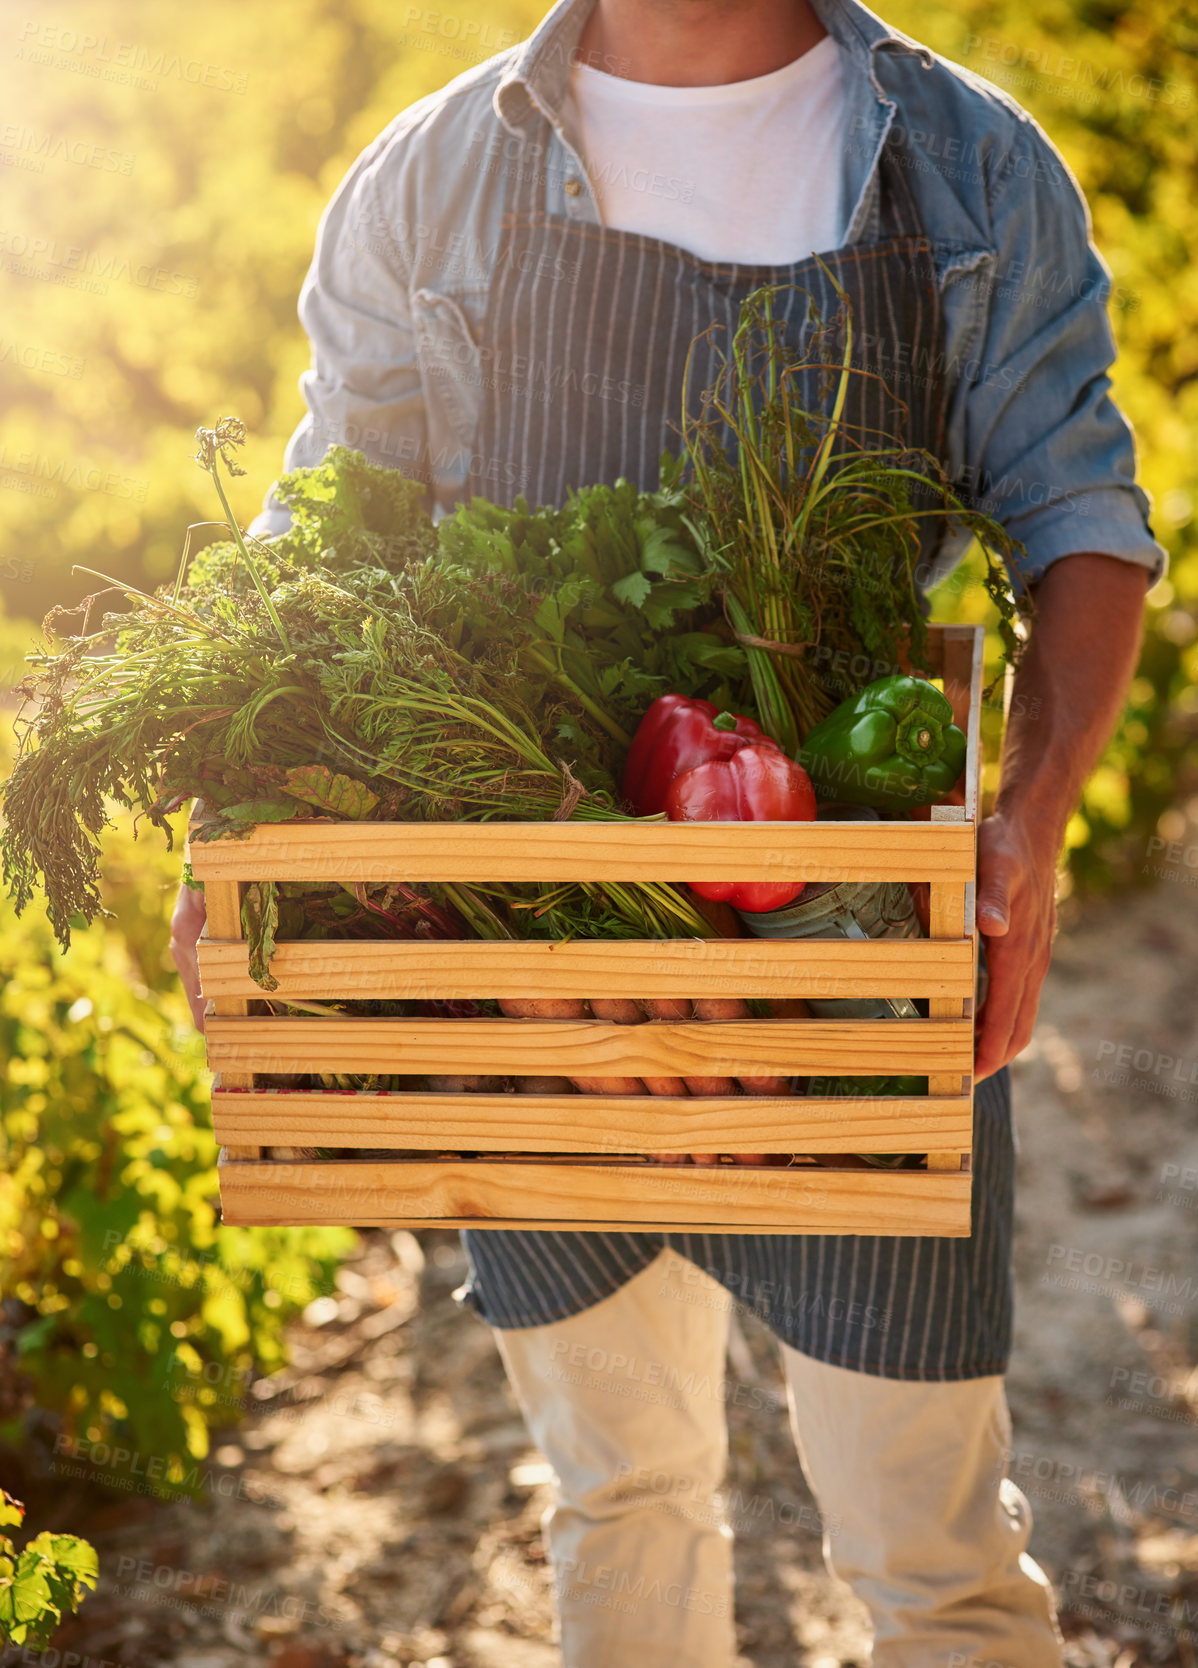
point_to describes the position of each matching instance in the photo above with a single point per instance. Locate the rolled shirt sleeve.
(1045, 449)
(364, 388)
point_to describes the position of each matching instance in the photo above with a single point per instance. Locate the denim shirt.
(395, 298)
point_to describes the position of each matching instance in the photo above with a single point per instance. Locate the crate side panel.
(592, 1048)
(591, 1196)
(319, 970)
(592, 1123)
(627, 851)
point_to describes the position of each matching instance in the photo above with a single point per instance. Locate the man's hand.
(1066, 700)
(187, 922)
(1017, 917)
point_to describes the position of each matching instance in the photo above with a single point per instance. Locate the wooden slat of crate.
(531, 1194)
(322, 969)
(592, 1123)
(223, 909)
(323, 850)
(961, 651)
(734, 1048)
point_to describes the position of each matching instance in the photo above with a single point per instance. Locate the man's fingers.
(999, 875)
(1025, 1021)
(998, 1016)
(1003, 961)
(994, 905)
(991, 1053)
(187, 922)
(1008, 1018)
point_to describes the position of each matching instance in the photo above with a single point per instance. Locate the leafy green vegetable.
(351, 514)
(606, 598)
(340, 796)
(484, 679)
(260, 923)
(814, 529)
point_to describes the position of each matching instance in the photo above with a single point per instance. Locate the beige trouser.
(627, 1402)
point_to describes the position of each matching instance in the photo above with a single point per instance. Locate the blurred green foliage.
(126, 1302)
(163, 185)
(41, 1581)
(1116, 88)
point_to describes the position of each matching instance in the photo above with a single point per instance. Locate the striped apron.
(585, 340)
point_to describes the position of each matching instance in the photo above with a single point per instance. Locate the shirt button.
(573, 187)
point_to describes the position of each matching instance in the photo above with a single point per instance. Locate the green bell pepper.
(893, 746)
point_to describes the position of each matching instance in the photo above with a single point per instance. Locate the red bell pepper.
(757, 784)
(676, 733)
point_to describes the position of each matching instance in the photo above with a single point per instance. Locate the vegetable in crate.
(356, 668)
(677, 732)
(866, 1087)
(699, 764)
(606, 597)
(757, 784)
(814, 529)
(893, 746)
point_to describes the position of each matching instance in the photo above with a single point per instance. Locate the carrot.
(569, 1007)
(624, 1011)
(679, 1007)
(721, 1007)
(668, 1007)
(735, 1007)
(789, 1007)
(785, 1008)
(715, 1007)
(456, 1085)
(609, 1085)
(543, 1007)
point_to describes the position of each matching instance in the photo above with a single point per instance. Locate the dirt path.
(383, 1500)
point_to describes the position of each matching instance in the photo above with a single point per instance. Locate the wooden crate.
(614, 1186)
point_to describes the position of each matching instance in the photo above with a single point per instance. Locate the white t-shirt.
(748, 171)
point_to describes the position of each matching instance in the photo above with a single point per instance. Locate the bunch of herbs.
(812, 529)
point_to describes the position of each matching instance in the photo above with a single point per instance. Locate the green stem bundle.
(813, 529)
